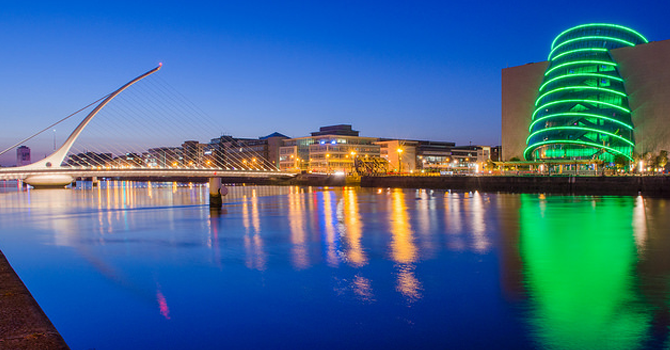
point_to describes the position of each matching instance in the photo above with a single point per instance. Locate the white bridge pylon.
(56, 159)
(49, 171)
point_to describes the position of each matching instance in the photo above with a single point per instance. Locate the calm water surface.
(138, 266)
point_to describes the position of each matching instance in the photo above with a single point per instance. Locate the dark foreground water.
(149, 266)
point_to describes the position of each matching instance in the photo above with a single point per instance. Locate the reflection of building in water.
(427, 218)
(579, 264)
(331, 239)
(353, 228)
(363, 288)
(253, 242)
(651, 220)
(507, 206)
(453, 227)
(297, 225)
(481, 241)
(403, 249)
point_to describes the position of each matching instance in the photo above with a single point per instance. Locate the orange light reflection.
(403, 249)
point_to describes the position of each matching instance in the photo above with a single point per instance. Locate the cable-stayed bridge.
(132, 156)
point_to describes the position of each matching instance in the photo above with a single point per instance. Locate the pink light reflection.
(162, 304)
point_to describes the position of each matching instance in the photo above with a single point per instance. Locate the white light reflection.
(253, 243)
(452, 223)
(425, 212)
(640, 224)
(329, 228)
(481, 242)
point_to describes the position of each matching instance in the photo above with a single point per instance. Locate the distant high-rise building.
(22, 156)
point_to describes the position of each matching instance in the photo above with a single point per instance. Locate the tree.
(620, 161)
(662, 159)
(649, 159)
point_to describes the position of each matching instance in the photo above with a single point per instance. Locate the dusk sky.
(402, 69)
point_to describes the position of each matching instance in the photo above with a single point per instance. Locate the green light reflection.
(579, 258)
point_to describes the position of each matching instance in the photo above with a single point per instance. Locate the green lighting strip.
(595, 37)
(598, 25)
(573, 63)
(597, 49)
(596, 75)
(583, 143)
(575, 114)
(582, 129)
(579, 100)
(579, 88)
(583, 75)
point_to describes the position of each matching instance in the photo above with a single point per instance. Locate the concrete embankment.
(23, 324)
(596, 185)
(600, 185)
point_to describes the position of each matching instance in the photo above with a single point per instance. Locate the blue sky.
(406, 69)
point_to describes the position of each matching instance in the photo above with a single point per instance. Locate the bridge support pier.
(216, 192)
(94, 181)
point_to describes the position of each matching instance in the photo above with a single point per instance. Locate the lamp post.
(399, 160)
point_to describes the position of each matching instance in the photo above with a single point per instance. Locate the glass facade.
(582, 111)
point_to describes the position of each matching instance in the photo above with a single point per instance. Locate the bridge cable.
(52, 125)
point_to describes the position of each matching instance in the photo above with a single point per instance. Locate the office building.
(332, 149)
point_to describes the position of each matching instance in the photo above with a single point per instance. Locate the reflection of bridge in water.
(53, 172)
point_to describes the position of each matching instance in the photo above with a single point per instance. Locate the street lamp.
(399, 160)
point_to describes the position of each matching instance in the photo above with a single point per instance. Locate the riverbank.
(23, 324)
(658, 186)
(588, 185)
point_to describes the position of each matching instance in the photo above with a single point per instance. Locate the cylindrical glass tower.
(581, 111)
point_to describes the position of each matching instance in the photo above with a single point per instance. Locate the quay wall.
(658, 186)
(23, 324)
(596, 185)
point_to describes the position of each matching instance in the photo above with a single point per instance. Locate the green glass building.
(581, 110)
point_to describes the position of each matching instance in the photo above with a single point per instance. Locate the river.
(132, 265)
